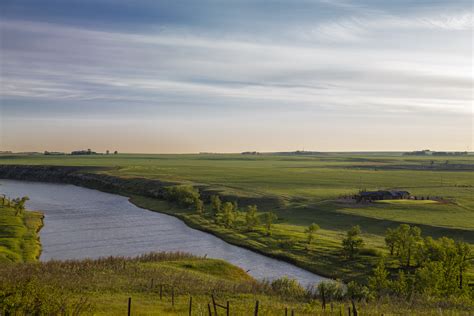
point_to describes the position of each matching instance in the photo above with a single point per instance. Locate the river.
(83, 223)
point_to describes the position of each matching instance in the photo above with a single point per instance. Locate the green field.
(306, 189)
(18, 235)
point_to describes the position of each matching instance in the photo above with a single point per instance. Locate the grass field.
(104, 286)
(306, 189)
(18, 235)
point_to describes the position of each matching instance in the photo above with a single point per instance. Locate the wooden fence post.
(228, 308)
(349, 309)
(354, 309)
(214, 304)
(292, 312)
(209, 309)
(129, 306)
(256, 308)
(190, 305)
(323, 297)
(286, 311)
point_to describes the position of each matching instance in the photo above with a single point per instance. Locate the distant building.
(83, 152)
(382, 195)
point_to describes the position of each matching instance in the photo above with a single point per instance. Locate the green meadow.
(18, 235)
(305, 189)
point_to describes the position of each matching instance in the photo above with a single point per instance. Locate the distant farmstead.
(382, 195)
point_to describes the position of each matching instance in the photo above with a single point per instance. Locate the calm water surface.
(84, 223)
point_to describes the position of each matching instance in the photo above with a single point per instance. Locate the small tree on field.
(391, 240)
(463, 258)
(235, 206)
(379, 282)
(216, 205)
(20, 205)
(227, 214)
(268, 219)
(310, 231)
(408, 239)
(352, 243)
(199, 206)
(251, 217)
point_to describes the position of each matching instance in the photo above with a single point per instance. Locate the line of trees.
(226, 214)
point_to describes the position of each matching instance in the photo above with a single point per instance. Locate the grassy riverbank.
(19, 241)
(301, 190)
(103, 287)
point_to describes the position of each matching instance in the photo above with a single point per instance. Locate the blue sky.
(228, 76)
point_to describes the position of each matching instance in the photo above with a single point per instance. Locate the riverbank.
(19, 234)
(288, 239)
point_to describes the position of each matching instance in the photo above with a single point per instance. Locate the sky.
(150, 76)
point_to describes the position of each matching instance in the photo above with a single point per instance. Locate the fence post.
(286, 311)
(190, 305)
(256, 308)
(228, 308)
(349, 309)
(323, 297)
(354, 309)
(292, 312)
(209, 309)
(129, 306)
(214, 304)
(151, 285)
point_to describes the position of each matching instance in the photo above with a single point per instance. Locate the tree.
(235, 206)
(379, 282)
(268, 219)
(409, 238)
(391, 240)
(115, 152)
(215, 205)
(251, 217)
(463, 259)
(20, 205)
(107, 152)
(401, 286)
(227, 214)
(352, 243)
(185, 195)
(310, 231)
(199, 205)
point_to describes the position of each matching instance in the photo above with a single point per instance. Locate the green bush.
(288, 288)
(184, 195)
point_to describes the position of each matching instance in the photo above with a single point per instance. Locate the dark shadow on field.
(327, 216)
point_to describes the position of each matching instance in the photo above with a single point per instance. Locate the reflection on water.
(81, 223)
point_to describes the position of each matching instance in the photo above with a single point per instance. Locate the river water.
(84, 223)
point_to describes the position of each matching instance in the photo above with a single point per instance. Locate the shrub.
(185, 195)
(288, 288)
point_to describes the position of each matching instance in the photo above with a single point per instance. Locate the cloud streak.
(358, 59)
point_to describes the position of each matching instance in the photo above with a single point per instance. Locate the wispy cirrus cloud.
(355, 59)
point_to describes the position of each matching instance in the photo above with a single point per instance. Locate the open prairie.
(305, 189)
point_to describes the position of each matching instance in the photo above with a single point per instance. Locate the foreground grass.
(19, 241)
(103, 287)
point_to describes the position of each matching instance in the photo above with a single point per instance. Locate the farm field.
(308, 189)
